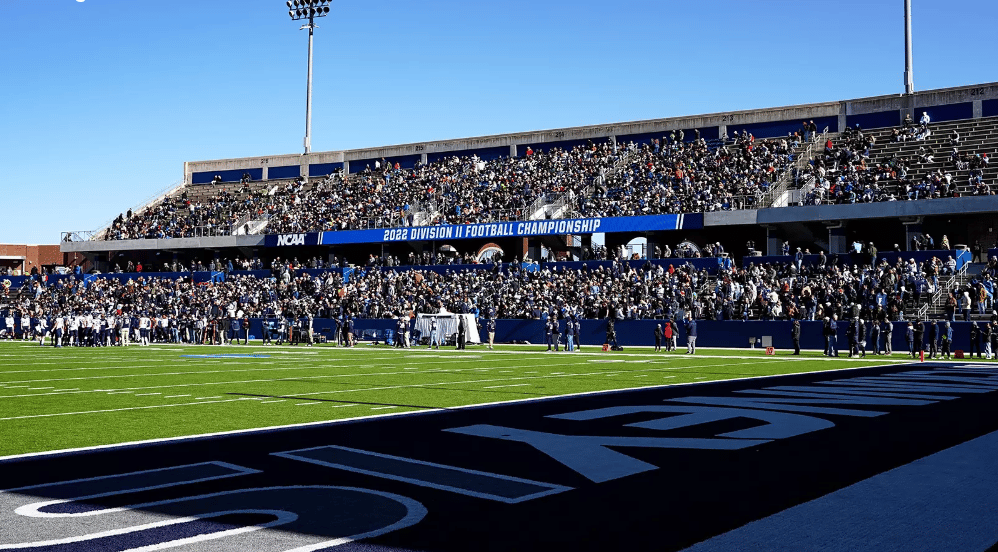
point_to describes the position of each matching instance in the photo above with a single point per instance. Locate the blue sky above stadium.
(103, 100)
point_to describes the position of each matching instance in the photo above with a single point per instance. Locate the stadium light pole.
(909, 79)
(300, 10)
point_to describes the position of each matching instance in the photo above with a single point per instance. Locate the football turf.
(68, 398)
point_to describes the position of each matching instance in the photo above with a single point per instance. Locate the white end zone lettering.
(309, 517)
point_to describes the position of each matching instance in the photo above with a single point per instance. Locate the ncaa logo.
(290, 239)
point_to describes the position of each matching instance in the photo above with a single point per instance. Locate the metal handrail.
(923, 311)
(782, 186)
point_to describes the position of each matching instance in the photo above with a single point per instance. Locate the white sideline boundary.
(269, 429)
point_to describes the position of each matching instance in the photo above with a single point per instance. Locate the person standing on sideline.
(234, 331)
(667, 334)
(986, 337)
(246, 329)
(349, 329)
(691, 335)
(490, 329)
(658, 338)
(569, 334)
(875, 336)
(919, 343)
(555, 332)
(947, 340)
(795, 335)
(434, 340)
(611, 333)
(887, 338)
(861, 336)
(826, 332)
(910, 337)
(399, 332)
(144, 325)
(975, 340)
(60, 329)
(548, 331)
(934, 340)
(577, 331)
(462, 331)
(675, 333)
(265, 328)
(851, 331)
(834, 328)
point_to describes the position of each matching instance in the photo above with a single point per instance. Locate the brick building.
(22, 258)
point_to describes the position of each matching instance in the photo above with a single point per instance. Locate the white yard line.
(500, 386)
(383, 407)
(324, 376)
(297, 366)
(176, 396)
(146, 394)
(271, 402)
(57, 414)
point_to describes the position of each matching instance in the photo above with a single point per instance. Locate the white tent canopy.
(447, 326)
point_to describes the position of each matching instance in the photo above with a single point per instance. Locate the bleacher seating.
(907, 169)
(591, 180)
(595, 180)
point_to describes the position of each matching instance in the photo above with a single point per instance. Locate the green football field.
(68, 398)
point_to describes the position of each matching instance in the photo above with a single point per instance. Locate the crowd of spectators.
(619, 291)
(845, 172)
(668, 175)
(877, 293)
(675, 176)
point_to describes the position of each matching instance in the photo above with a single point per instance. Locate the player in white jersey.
(74, 330)
(60, 330)
(110, 330)
(164, 328)
(144, 325)
(25, 327)
(88, 330)
(9, 324)
(99, 330)
(41, 330)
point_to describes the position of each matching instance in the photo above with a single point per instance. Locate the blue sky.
(102, 101)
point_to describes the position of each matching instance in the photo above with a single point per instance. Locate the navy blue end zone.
(848, 460)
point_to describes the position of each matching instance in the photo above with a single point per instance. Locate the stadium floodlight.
(909, 77)
(300, 10)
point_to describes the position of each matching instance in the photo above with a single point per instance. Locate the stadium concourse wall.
(731, 334)
(949, 104)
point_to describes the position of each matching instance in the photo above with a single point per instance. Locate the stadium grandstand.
(877, 208)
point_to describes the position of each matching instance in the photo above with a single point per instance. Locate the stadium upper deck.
(741, 178)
